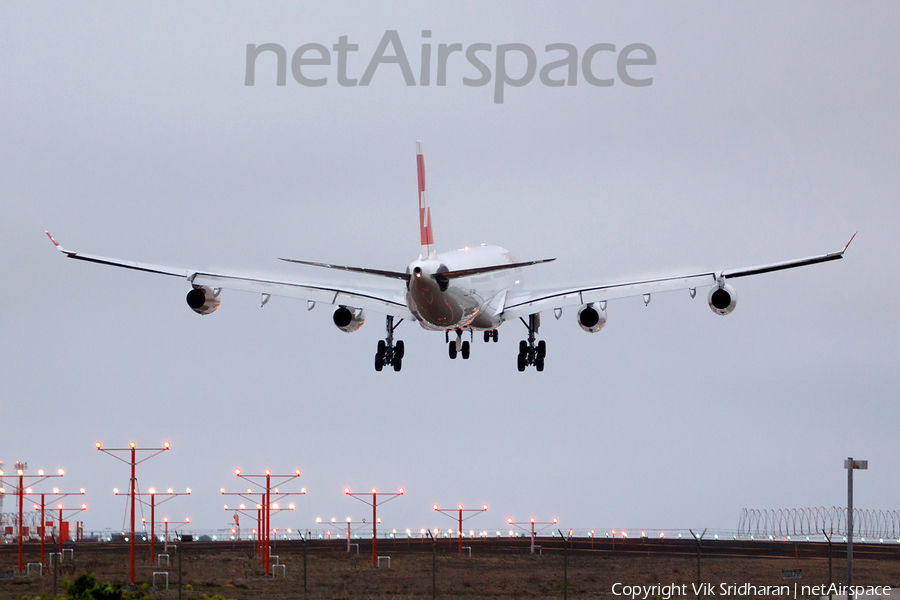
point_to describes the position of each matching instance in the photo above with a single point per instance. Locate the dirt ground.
(331, 573)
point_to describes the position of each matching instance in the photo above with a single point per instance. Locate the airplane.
(467, 290)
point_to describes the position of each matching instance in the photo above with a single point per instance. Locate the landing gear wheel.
(452, 347)
(397, 363)
(542, 349)
(487, 336)
(379, 362)
(523, 347)
(495, 335)
(465, 350)
(381, 347)
(520, 363)
(399, 349)
(539, 362)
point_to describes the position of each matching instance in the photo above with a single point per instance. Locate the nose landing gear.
(389, 353)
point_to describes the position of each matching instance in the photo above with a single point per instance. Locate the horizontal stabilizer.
(480, 270)
(378, 272)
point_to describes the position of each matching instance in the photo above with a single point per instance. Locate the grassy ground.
(330, 573)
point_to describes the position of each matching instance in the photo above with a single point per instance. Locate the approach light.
(116, 491)
(132, 444)
(36, 507)
(509, 520)
(27, 490)
(302, 490)
(532, 519)
(153, 491)
(188, 490)
(290, 507)
(401, 491)
(435, 507)
(226, 507)
(459, 507)
(374, 491)
(241, 507)
(82, 490)
(165, 519)
(166, 445)
(484, 507)
(297, 472)
(187, 519)
(98, 444)
(268, 472)
(237, 472)
(61, 472)
(221, 490)
(41, 472)
(59, 506)
(55, 490)
(346, 490)
(84, 507)
(348, 519)
(555, 520)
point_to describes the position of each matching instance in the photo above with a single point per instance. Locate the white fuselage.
(473, 302)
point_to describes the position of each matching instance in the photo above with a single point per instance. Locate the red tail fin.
(425, 230)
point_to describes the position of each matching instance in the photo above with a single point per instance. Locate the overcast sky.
(769, 132)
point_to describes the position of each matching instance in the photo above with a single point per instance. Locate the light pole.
(533, 530)
(20, 492)
(349, 530)
(461, 510)
(268, 503)
(54, 497)
(153, 504)
(851, 464)
(133, 449)
(374, 504)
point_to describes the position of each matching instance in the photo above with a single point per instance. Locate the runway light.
(41, 472)
(187, 519)
(226, 507)
(237, 472)
(555, 520)
(132, 444)
(116, 491)
(435, 507)
(84, 507)
(98, 444)
(153, 491)
(61, 472)
(221, 490)
(484, 507)
(402, 491)
(459, 507)
(188, 490)
(82, 490)
(346, 490)
(56, 491)
(268, 472)
(166, 445)
(297, 472)
(509, 520)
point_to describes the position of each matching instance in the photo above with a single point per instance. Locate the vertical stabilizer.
(425, 230)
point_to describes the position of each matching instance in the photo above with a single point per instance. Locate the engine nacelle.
(203, 300)
(591, 317)
(722, 299)
(348, 319)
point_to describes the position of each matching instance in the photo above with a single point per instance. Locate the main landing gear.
(491, 334)
(458, 346)
(388, 352)
(531, 353)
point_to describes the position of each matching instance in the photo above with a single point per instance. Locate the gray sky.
(770, 132)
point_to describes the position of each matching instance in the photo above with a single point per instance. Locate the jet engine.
(722, 299)
(203, 300)
(591, 317)
(349, 319)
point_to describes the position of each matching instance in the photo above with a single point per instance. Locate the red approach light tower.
(170, 494)
(374, 504)
(545, 524)
(349, 521)
(459, 509)
(268, 503)
(56, 496)
(21, 490)
(133, 450)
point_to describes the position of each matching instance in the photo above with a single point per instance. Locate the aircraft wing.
(386, 301)
(525, 303)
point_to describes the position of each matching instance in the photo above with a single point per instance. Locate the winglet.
(55, 243)
(848, 243)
